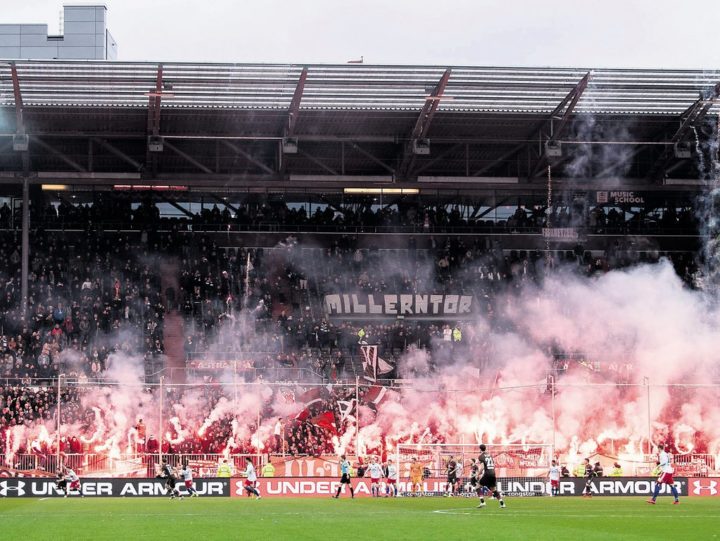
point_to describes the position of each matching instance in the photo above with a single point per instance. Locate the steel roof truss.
(60, 155)
(692, 119)
(249, 157)
(372, 157)
(117, 152)
(317, 162)
(188, 158)
(571, 101)
(294, 111)
(422, 124)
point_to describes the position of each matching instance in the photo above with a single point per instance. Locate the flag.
(306, 412)
(374, 395)
(288, 394)
(373, 365)
(346, 408)
(310, 395)
(384, 367)
(312, 399)
(325, 420)
(369, 354)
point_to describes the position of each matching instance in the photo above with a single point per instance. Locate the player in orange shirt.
(416, 475)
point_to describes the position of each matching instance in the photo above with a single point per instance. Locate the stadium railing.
(205, 464)
(486, 227)
(130, 464)
(213, 366)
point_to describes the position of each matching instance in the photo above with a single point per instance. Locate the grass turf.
(555, 519)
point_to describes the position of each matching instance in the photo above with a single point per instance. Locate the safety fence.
(130, 464)
(206, 464)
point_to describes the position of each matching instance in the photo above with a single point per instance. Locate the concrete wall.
(85, 37)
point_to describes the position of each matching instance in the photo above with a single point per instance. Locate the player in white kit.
(375, 471)
(251, 478)
(664, 462)
(187, 475)
(391, 480)
(554, 476)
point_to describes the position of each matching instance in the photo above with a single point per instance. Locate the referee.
(345, 477)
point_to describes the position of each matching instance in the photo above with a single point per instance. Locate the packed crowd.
(270, 302)
(99, 299)
(117, 209)
(85, 301)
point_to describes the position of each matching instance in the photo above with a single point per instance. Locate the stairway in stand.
(174, 341)
(174, 327)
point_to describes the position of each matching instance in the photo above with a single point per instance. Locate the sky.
(560, 33)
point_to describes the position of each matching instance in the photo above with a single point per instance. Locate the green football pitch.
(416, 519)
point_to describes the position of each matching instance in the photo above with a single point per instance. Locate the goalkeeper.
(416, 475)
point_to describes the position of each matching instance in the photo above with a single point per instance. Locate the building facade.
(85, 37)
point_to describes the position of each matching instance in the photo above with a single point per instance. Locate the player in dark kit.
(590, 474)
(474, 475)
(487, 479)
(167, 472)
(451, 476)
(68, 481)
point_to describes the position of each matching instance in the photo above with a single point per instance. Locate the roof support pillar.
(422, 124)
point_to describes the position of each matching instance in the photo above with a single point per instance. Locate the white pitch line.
(465, 511)
(209, 515)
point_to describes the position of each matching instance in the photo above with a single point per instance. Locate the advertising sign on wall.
(704, 486)
(321, 487)
(35, 487)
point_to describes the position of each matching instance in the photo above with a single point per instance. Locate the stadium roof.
(222, 122)
(352, 87)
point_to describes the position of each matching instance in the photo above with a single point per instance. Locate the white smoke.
(644, 318)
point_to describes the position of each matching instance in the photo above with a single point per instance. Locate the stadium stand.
(214, 256)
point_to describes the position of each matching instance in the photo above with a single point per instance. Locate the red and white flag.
(373, 365)
(325, 420)
(312, 399)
